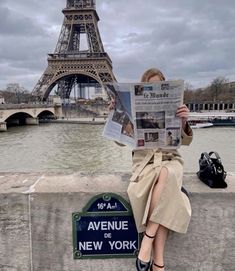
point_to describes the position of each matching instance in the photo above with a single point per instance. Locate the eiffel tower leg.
(65, 87)
(42, 85)
(100, 72)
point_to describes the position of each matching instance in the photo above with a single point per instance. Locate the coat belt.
(157, 160)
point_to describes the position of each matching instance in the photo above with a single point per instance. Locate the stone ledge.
(36, 223)
(29, 183)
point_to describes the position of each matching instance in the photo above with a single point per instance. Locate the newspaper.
(145, 114)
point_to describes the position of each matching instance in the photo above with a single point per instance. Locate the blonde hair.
(150, 73)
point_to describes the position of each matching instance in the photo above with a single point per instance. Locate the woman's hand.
(183, 113)
(111, 104)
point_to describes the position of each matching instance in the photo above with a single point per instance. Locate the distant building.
(232, 85)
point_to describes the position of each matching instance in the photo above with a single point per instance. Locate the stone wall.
(36, 223)
(88, 110)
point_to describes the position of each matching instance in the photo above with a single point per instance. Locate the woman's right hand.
(111, 104)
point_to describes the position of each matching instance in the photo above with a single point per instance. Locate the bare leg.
(151, 229)
(158, 247)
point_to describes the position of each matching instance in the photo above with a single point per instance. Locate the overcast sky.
(192, 40)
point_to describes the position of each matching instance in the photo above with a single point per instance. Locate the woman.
(155, 194)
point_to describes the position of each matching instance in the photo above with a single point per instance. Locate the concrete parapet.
(36, 223)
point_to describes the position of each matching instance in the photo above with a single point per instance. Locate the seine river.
(76, 147)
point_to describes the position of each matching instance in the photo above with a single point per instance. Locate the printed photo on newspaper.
(119, 125)
(145, 114)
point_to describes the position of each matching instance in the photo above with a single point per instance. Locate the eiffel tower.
(72, 66)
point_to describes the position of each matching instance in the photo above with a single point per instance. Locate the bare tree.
(14, 93)
(220, 90)
(218, 86)
(188, 92)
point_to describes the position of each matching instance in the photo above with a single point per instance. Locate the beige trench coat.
(173, 208)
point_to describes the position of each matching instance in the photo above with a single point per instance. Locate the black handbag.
(211, 170)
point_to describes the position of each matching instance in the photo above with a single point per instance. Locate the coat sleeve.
(187, 135)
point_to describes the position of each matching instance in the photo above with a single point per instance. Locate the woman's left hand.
(183, 113)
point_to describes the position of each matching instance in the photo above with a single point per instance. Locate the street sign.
(105, 229)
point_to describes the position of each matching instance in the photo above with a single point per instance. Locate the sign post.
(105, 229)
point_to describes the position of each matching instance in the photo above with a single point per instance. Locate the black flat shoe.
(142, 266)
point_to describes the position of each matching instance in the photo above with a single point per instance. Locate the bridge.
(28, 114)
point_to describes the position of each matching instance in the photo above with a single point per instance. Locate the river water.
(75, 147)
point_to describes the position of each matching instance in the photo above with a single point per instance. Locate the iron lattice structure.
(70, 64)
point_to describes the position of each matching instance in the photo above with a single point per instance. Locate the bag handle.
(221, 170)
(209, 160)
(207, 156)
(216, 155)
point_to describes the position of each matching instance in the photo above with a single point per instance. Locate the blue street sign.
(105, 228)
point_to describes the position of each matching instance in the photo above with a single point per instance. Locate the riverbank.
(87, 120)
